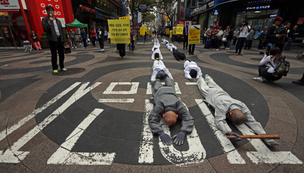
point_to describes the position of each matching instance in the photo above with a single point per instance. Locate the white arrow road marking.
(133, 90)
(264, 154)
(195, 154)
(11, 129)
(130, 100)
(27, 137)
(149, 89)
(64, 155)
(146, 145)
(233, 156)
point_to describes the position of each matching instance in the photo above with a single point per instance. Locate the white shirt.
(266, 60)
(189, 66)
(158, 65)
(156, 51)
(244, 32)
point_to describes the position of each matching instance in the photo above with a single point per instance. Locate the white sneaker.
(259, 79)
(102, 50)
(227, 48)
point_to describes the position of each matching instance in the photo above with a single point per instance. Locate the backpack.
(282, 67)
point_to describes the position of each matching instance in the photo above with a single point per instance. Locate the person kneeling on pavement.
(179, 56)
(192, 71)
(228, 108)
(168, 105)
(267, 66)
(159, 71)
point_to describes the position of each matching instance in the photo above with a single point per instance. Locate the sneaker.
(227, 48)
(55, 71)
(64, 69)
(259, 79)
(298, 82)
(240, 54)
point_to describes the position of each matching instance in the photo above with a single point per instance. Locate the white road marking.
(64, 155)
(129, 100)
(149, 89)
(4, 158)
(146, 145)
(195, 154)
(264, 154)
(234, 157)
(11, 129)
(191, 83)
(133, 90)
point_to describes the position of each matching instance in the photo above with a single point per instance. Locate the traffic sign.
(142, 7)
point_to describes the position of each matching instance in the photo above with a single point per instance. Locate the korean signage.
(215, 12)
(9, 4)
(56, 4)
(167, 31)
(179, 29)
(194, 34)
(174, 30)
(142, 31)
(119, 31)
(84, 8)
(124, 18)
(300, 21)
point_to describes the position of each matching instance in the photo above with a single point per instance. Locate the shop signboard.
(174, 31)
(194, 34)
(9, 4)
(215, 12)
(3, 13)
(58, 10)
(179, 29)
(142, 31)
(120, 31)
(167, 31)
(300, 21)
(124, 18)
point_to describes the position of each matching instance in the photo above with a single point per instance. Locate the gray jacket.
(165, 100)
(223, 103)
(250, 35)
(50, 31)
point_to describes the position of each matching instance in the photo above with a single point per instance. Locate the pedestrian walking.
(227, 37)
(204, 35)
(35, 39)
(284, 36)
(132, 35)
(236, 33)
(105, 35)
(185, 32)
(291, 37)
(93, 36)
(242, 37)
(53, 28)
(215, 38)
(250, 38)
(273, 33)
(72, 36)
(83, 36)
(100, 37)
(262, 37)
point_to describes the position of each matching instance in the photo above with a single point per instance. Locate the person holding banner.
(185, 32)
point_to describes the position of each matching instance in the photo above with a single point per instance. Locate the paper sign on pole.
(142, 31)
(167, 31)
(150, 33)
(170, 33)
(119, 30)
(179, 29)
(174, 30)
(194, 34)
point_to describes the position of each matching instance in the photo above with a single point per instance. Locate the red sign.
(300, 21)
(4, 2)
(56, 4)
(87, 9)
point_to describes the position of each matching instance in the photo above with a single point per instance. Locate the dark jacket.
(83, 35)
(271, 34)
(34, 35)
(230, 36)
(98, 34)
(184, 31)
(291, 34)
(50, 31)
(165, 100)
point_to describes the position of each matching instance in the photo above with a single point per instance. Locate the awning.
(76, 24)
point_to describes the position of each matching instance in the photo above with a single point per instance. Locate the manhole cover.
(70, 71)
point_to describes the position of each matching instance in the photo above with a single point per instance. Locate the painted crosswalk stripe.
(129, 100)
(9, 155)
(11, 129)
(64, 155)
(233, 156)
(176, 87)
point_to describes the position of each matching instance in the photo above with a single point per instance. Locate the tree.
(166, 6)
(134, 6)
(148, 17)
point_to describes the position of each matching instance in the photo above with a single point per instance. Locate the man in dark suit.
(186, 35)
(52, 26)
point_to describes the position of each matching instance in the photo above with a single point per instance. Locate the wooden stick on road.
(256, 136)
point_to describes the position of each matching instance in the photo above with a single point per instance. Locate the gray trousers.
(158, 84)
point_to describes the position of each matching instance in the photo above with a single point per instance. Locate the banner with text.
(179, 29)
(119, 31)
(194, 34)
(174, 30)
